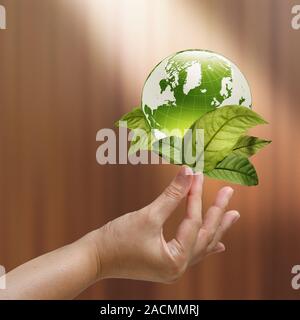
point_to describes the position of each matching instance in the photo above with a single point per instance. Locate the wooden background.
(71, 67)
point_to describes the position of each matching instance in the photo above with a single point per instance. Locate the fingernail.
(198, 174)
(230, 191)
(223, 200)
(221, 249)
(185, 171)
(236, 218)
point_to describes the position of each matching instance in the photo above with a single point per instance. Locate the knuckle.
(215, 210)
(107, 227)
(208, 234)
(196, 223)
(150, 218)
(221, 230)
(177, 265)
(174, 191)
(174, 273)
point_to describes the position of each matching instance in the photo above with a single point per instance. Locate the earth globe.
(187, 84)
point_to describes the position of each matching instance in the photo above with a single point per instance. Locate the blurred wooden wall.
(71, 67)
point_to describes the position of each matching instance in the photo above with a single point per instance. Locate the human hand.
(133, 246)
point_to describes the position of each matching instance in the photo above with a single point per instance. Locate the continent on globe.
(187, 84)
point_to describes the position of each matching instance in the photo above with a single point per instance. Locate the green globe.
(187, 84)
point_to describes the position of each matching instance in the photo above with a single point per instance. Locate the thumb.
(166, 203)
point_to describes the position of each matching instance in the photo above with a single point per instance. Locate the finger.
(188, 229)
(220, 247)
(229, 219)
(212, 220)
(165, 204)
(215, 213)
(223, 197)
(194, 199)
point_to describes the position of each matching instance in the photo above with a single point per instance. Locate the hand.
(133, 246)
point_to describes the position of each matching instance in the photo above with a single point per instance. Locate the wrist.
(100, 252)
(91, 252)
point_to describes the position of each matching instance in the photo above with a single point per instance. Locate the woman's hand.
(133, 246)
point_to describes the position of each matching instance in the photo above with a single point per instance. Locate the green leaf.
(135, 119)
(169, 148)
(222, 129)
(236, 169)
(247, 146)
